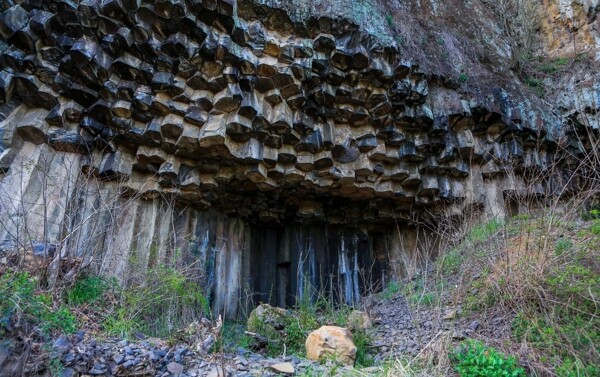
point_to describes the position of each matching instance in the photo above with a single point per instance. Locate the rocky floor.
(404, 331)
(400, 330)
(153, 357)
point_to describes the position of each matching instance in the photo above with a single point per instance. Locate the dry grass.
(529, 284)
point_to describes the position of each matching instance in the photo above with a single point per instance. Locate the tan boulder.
(331, 342)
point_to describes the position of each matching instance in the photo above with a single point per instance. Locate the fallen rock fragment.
(175, 368)
(285, 368)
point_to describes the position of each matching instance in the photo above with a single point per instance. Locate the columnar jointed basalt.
(236, 106)
(275, 118)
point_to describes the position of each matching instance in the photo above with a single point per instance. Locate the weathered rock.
(331, 342)
(358, 320)
(284, 368)
(175, 368)
(267, 321)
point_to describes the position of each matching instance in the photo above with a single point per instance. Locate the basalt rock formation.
(273, 141)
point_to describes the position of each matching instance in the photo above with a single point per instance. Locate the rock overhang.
(261, 113)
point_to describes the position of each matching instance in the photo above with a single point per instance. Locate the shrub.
(567, 330)
(474, 359)
(548, 275)
(562, 245)
(162, 303)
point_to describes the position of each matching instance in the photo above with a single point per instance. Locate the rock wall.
(568, 27)
(273, 144)
(49, 206)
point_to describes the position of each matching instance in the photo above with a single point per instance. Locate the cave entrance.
(290, 263)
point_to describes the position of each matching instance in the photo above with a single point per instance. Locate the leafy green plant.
(592, 214)
(474, 359)
(595, 228)
(304, 320)
(463, 77)
(562, 245)
(61, 320)
(56, 367)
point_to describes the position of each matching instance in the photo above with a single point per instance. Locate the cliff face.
(278, 142)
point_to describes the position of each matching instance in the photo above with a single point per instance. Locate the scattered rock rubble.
(154, 357)
(404, 331)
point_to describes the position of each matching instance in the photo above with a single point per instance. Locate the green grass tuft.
(20, 299)
(391, 290)
(482, 232)
(88, 289)
(450, 261)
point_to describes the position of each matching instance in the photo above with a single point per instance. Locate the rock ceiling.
(234, 106)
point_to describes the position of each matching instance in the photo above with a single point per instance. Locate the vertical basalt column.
(232, 244)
